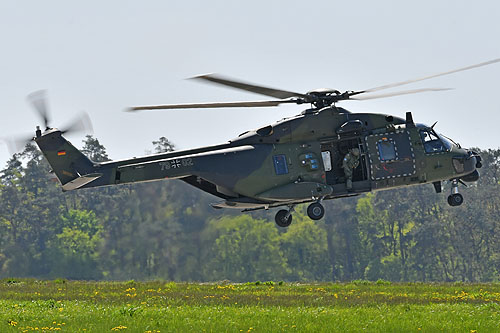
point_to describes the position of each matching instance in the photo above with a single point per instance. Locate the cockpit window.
(432, 142)
(447, 143)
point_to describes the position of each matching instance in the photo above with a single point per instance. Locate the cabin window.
(432, 143)
(387, 150)
(280, 166)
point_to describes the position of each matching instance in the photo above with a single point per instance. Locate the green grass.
(76, 306)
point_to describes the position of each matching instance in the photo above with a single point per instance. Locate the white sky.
(102, 56)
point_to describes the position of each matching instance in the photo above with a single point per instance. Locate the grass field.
(74, 306)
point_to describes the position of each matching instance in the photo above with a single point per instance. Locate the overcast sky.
(102, 56)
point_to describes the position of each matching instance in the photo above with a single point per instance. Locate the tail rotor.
(39, 102)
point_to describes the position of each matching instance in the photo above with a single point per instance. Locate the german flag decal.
(61, 153)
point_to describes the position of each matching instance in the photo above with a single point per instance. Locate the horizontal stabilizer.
(81, 181)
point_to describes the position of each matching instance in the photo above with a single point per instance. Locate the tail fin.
(72, 168)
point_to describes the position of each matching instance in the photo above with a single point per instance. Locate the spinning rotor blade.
(397, 93)
(39, 101)
(16, 144)
(397, 84)
(80, 124)
(276, 93)
(212, 105)
(318, 98)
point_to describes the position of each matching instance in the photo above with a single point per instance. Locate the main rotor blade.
(397, 93)
(212, 105)
(392, 85)
(276, 93)
(39, 101)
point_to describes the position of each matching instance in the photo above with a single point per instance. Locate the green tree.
(73, 251)
(94, 149)
(304, 246)
(163, 145)
(243, 249)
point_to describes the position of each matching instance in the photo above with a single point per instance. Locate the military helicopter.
(293, 161)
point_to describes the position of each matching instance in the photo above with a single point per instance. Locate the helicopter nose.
(479, 165)
(475, 159)
(471, 163)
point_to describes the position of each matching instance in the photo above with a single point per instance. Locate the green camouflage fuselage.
(298, 159)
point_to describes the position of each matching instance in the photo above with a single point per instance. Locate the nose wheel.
(455, 198)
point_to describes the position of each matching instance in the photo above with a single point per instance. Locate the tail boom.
(75, 171)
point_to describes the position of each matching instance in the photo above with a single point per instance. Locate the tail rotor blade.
(80, 124)
(16, 144)
(39, 101)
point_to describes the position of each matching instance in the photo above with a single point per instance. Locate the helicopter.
(293, 161)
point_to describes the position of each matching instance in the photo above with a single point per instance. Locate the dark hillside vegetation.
(167, 230)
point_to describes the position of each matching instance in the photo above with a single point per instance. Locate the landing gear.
(455, 198)
(315, 211)
(283, 217)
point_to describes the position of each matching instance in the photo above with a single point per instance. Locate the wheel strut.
(455, 198)
(454, 186)
(291, 209)
(283, 217)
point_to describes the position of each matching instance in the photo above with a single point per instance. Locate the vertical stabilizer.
(67, 162)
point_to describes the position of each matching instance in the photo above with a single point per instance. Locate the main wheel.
(281, 218)
(315, 211)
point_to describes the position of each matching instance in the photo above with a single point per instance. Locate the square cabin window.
(387, 150)
(280, 166)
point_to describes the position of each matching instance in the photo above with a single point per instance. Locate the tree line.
(167, 230)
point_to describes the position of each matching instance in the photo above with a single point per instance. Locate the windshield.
(448, 143)
(433, 142)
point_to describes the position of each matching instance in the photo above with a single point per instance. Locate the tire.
(315, 211)
(457, 199)
(281, 219)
